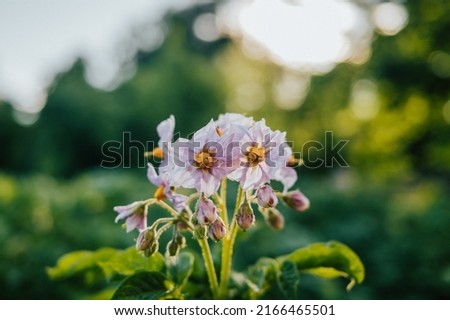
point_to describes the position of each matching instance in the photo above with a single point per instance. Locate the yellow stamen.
(255, 155)
(159, 193)
(158, 153)
(205, 159)
(219, 131)
(292, 162)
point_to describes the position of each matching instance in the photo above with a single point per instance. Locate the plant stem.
(206, 252)
(209, 265)
(223, 196)
(227, 249)
(169, 209)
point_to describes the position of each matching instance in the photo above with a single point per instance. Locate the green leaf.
(329, 260)
(78, 262)
(261, 276)
(289, 279)
(127, 262)
(104, 264)
(149, 285)
(181, 267)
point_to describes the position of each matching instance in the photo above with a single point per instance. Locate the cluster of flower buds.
(233, 147)
(177, 242)
(207, 220)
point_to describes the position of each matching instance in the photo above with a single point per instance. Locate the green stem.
(206, 252)
(227, 249)
(171, 210)
(223, 196)
(209, 265)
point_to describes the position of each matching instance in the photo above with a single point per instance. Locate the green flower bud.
(152, 248)
(173, 248)
(145, 239)
(201, 231)
(181, 240)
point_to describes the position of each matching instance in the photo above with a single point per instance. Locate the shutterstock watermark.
(314, 154)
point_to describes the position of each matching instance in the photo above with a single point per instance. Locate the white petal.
(165, 130)
(252, 178)
(153, 176)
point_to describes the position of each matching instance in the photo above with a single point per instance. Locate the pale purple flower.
(265, 197)
(217, 230)
(134, 214)
(204, 160)
(164, 190)
(262, 151)
(296, 200)
(206, 211)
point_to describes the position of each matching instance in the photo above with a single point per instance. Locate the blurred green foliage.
(391, 206)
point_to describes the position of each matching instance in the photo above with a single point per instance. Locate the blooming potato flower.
(234, 147)
(164, 190)
(134, 214)
(204, 160)
(262, 152)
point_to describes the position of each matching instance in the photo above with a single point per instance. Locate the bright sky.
(42, 38)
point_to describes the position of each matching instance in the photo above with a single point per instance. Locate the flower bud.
(147, 242)
(145, 239)
(182, 226)
(181, 240)
(296, 200)
(265, 197)
(245, 216)
(206, 211)
(173, 248)
(274, 218)
(152, 249)
(217, 230)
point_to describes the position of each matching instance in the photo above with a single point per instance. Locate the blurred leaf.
(106, 261)
(289, 279)
(261, 276)
(129, 261)
(76, 262)
(181, 268)
(329, 260)
(143, 285)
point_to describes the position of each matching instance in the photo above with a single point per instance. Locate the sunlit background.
(75, 74)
